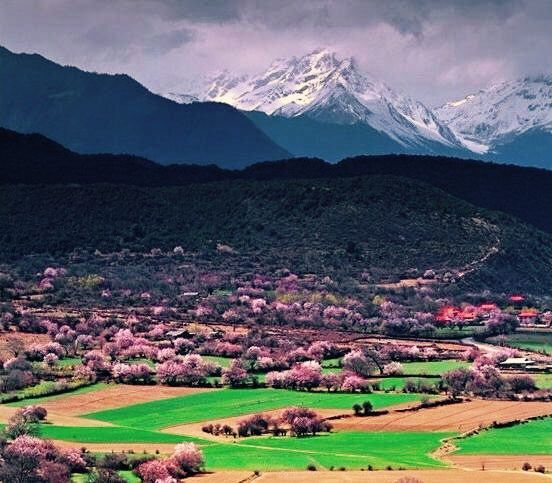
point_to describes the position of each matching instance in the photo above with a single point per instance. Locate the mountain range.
(512, 120)
(99, 113)
(318, 105)
(313, 106)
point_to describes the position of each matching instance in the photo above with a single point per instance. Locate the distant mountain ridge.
(511, 120)
(99, 113)
(520, 191)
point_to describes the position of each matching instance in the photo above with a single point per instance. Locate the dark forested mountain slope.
(385, 226)
(98, 113)
(523, 192)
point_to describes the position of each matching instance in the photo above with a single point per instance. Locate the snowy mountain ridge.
(327, 89)
(508, 122)
(501, 111)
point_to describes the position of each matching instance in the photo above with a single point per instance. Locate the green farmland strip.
(235, 402)
(534, 437)
(221, 361)
(398, 383)
(431, 368)
(40, 400)
(352, 450)
(107, 434)
(532, 341)
(543, 381)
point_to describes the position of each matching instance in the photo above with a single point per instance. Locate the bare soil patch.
(426, 476)
(499, 462)
(59, 419)
(460, 417)
(27, 339)
(117, 396)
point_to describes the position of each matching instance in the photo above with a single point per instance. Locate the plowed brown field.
(428, 476)
(456, 417)
(116, 396)
(499, 462)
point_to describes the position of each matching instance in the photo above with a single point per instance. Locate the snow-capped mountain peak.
(323, 87)
(501, 111)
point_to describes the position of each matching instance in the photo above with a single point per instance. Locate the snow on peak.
(502, 110)
(325, 87)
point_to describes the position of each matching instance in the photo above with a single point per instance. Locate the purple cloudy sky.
(435, 50)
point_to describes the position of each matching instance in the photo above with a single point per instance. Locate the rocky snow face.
(501, 112)
(324, 88)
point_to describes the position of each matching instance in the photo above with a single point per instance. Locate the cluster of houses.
(472, 314)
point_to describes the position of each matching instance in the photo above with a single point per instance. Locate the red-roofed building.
(528, 316)
(488, 307)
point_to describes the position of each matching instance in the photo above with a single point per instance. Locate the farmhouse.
(527, 316)
(517, 362)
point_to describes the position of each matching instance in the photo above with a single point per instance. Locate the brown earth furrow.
(117, 396)
(459, 417)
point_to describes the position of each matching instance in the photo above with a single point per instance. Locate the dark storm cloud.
(407, 16)
(167, 41)
(433, 49)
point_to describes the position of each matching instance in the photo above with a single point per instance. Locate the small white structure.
(513, 362)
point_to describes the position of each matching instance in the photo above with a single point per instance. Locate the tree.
(355, 361)
(306, 375)
(152, 471)
(303, 421)
(235, 375)
(16, 346)
(353, 383)
(187, 459)
(368, 407)
(6, 281)
(23, 459)
(330, 381)
(456, 380)
(254, 425)
(357, 408)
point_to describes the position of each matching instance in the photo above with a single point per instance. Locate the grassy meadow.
(351, 450)
(236, 402)
(531, 438)
(531, 341)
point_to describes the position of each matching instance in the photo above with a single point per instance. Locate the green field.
(235, 402)
(141, 423)
(108, 434)
(352, 450)
(532, 438)
(398, 383)
(69, 361)
(543, 381)
(452, 332)
(431, 368)
(46, 385)
(532, 341)
(335, 362)
(221, 361)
